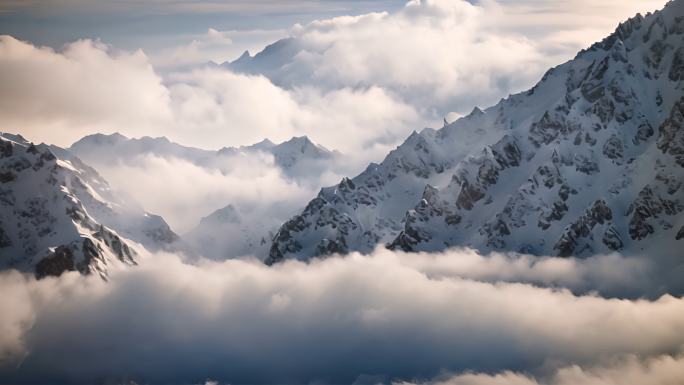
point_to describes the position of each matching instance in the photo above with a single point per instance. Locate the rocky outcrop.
(598, 213)
(671, 134)
(613, 148)
(680, 233)
(650, 205)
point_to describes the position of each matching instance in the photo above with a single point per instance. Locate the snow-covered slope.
(589, 160)
(58, 214)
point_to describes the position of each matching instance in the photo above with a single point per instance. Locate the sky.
(158, 24)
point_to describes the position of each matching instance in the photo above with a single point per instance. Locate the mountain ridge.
(557, 170)
(59, 215)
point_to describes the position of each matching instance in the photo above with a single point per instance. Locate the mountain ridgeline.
(58, 214)
(590, 160)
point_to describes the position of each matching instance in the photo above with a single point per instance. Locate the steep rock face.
(556, 170)
(598, 214)
(671, 134)
(56, 215)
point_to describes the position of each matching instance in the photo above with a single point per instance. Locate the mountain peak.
(264, 145)
(302, 144)
(101, 139)
(228, 214)
(13, 137)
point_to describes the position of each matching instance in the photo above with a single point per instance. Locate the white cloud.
(239, 321)
(56, 96)
(251, 182)
(247, 108)
(60, 96)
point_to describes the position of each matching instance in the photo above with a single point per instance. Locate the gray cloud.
(658, 370)
(334, 320)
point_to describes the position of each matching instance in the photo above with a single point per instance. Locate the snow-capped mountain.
(103, 149)
(589, 160)
(58, 214)
(298, 157)
(268, 62)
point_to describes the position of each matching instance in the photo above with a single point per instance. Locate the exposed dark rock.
(7, 176)
(61, 260)
(495, 231)
(589, 139)
(646, 206)
(598, 213)
(592, 88)
(671, 182)
(546, 130)
(557, 212)
(5, 149)
(604, 108)
(671, 133)
(468, 196)
(677, 68)
(586, 165)
(644, 132)
(612, 239)
(329, 247)
(5, 241)
(613, 148)
(120, 248)
(506, 152)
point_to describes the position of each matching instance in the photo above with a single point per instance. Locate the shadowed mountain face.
(59, 215)
(587, 161)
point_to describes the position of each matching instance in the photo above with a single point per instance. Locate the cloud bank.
(336, 321)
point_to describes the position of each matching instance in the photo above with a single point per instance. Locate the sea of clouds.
(454, 317)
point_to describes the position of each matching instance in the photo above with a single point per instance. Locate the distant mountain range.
(230, 231)
(293, 156)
